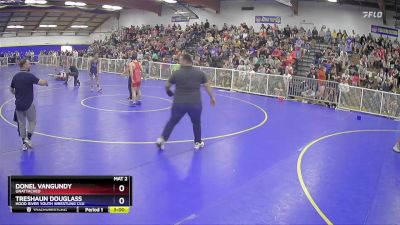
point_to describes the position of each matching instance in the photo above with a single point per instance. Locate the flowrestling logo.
(372, 14)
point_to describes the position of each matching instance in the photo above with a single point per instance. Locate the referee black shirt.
(188, 81)
(73, 70)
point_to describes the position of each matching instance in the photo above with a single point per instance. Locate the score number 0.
(121, 200)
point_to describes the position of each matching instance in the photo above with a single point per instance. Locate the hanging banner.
(384, 31)
(268, 19)
(179, 19)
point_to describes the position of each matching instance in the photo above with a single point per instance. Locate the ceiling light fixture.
(332, 0)
(38, 2)
(69, 3)
(45, 25)
(15, 26)
(170, 1)
(112, 7)
(181, 12)
(79, 26)
(80, 4)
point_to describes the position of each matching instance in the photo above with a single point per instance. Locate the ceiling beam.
(76, 31)
(295, 6)
(91, 32)
(69, 26)
(215, 5)
(41, 20)
(285, 2)
(8, 22)
(29, 9)
(147, 5)
(382, 8)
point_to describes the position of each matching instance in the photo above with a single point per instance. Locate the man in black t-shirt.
(187, 99)
(286, 31)
(73, 71)
(22, 87)
(206, 24)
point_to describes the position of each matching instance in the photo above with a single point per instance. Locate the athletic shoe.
(396, 148)
(28, 143)
(199, 145)
(160, 143)
(133, 104)
(139, 103)
(24, 147)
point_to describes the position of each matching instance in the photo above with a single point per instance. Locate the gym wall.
(312, 13)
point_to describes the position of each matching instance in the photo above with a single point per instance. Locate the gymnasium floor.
(251, 170)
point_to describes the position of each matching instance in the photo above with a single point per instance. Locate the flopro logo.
(372, 14)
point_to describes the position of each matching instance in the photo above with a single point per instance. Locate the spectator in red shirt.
(356, 79)
(277, 52)
(321, 73)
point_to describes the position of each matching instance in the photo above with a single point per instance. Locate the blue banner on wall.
(268, 19)
(178, 19)
(384, 31)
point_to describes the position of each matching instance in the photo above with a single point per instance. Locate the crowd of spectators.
(73, 53)
(269, 50)
(15, 56)
(357, 60)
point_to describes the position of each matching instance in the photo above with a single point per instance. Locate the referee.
(22, 87)
(187, 99)
(73, 71)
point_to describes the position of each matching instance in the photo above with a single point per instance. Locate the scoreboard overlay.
(70, 194)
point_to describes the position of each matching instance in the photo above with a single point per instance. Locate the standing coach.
(187, 99)
(22, 87)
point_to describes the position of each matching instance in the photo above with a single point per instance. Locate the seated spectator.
(386, 86)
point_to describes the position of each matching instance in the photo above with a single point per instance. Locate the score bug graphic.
(81, 194)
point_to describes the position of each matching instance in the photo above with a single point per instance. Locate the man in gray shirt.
(22, 87)
(187, 99)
